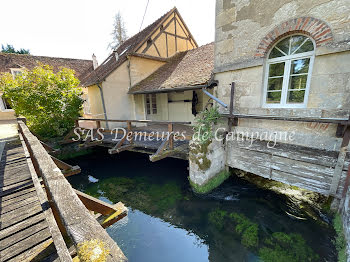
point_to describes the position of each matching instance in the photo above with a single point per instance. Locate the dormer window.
(288, 72)
(15, 72)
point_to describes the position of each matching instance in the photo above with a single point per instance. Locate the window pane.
(306, 47)
(300, 66)
(284, 45)
(276, 69)
(275, 53)
(297, 40)
(275, 84)
(148, 104)
(298, 82)
(296, 96)
(273, 97)
(154, 103)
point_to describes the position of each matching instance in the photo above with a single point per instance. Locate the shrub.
(50, 102)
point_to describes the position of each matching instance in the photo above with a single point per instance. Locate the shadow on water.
(168, 222)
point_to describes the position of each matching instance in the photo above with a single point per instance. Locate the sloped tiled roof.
(8, 60)
(185, 69)
(111, 63)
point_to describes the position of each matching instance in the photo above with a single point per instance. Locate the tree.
(10, 49)
(119, 32)
(51, 102)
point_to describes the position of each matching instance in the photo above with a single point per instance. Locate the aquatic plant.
(287, 248)
(217, 218)
(247, 229)
(340, 242)
(138, 193)
(212, 183)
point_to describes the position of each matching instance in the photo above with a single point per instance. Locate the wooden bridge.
(160, 139)
(42, 218)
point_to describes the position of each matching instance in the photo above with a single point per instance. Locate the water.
(168, 222)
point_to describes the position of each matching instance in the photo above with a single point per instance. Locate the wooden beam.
(80, 224)
(136, 121)
(171, 136)
(161, 148)
(340, 162)
(166, 43)
(175, 33)
(158, 35)
(121, 212)
(48, 148)
(155, 46)
(56, 235)
(97, 205)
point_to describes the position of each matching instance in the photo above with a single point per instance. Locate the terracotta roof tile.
(185, 69)
(111, 63)
(80, 66)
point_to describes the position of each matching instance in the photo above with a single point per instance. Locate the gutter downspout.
(103, 104)
(132, 96)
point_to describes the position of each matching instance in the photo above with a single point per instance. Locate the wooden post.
(171, 141)
(230, 119)
(340, 162)
(98, 124)
(77, 123)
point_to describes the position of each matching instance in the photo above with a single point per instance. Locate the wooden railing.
(77, 221)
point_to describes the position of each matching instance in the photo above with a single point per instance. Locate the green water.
(168, 222)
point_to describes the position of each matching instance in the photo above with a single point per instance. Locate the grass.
(217, 218)
(211, 183)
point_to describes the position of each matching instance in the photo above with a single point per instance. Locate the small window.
(288, 72)
(151, 104)
(16, 72)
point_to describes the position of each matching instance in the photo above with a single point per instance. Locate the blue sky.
(76, 28)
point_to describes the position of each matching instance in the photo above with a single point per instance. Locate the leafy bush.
(49, 101)
(204, 122)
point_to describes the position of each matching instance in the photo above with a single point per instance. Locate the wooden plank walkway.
(25, 234)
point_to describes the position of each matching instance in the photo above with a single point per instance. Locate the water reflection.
(168, 222)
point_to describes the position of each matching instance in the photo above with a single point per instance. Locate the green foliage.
(217, 218)
(50, 102)
(10, 49)
(247, 229)
(340, 242)
(287, 248)
(212, 183)
(204, 122)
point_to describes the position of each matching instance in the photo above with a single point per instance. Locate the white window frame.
(15, 70)
(286, 76)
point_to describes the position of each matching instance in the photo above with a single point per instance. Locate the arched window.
(288, 72)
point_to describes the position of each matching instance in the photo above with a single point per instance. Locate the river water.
(168, 222)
